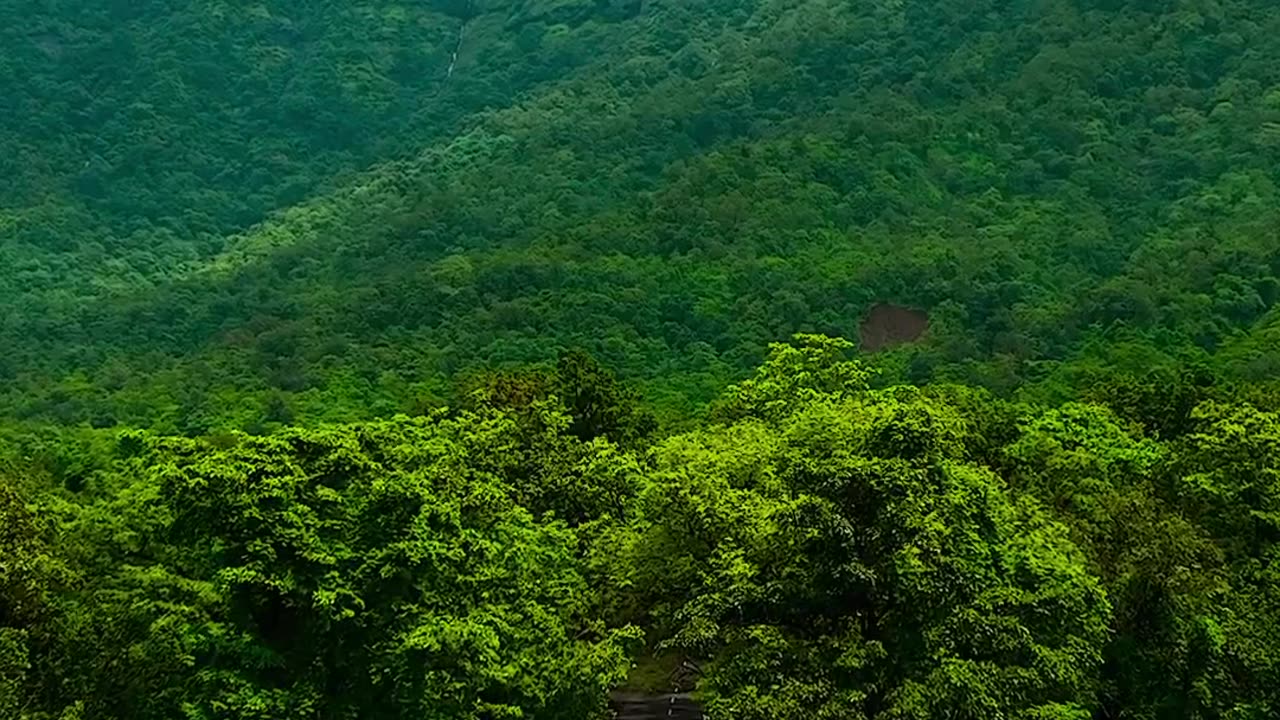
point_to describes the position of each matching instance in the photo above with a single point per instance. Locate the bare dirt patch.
(887, 325)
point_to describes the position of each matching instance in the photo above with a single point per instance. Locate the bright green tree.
(383, 570)
(843, 559)
(20, 597)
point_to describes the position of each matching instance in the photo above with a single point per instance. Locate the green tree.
(793, 374)
(380, 571)
(384, 570)
(21, 597)
(1166, 578)
(844, 559)
(599, 405)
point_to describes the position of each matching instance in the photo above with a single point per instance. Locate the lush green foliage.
(851, 563)
(1068, 187)
(304, 407)
(827, 549)
(400, 569)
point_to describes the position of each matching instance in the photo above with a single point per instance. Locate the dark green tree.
(599, 404)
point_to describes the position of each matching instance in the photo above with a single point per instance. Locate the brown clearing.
(887, 325)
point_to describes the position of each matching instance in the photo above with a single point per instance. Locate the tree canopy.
(473, 359)
(824, 549)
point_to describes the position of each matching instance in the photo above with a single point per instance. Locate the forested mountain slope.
(472, 359)
(137, 136)
(669, 185)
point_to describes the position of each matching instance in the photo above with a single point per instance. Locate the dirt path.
(640, 706)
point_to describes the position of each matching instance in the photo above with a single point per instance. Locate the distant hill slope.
(1064, 187)
(135, 136)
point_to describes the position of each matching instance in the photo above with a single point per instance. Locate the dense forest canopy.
(233, 217)
(470, 359)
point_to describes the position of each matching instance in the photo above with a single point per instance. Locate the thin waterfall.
(462, 33)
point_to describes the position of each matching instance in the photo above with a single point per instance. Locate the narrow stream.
(462, 34)
(453, 61)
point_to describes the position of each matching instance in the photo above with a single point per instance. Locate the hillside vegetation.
(1062, 185)
(825, 549)
(440, 359)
